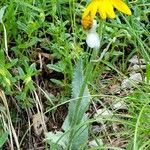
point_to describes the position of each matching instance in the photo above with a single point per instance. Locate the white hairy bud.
(93, 39)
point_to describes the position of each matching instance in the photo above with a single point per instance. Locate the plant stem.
(88, 74)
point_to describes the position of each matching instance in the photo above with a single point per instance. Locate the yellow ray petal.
(87, 10)
(101, 9)
(109, 9)
(94, 10)
(121, 6)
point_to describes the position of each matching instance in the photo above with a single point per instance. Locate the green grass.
(46, 68)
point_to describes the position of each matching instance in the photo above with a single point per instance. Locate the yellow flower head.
(87, 22)
(105, 8)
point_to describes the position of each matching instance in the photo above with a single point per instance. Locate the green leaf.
(77, 83)
(3, 138)
(77, 79)
(2, 10)
(148, 72)
(54, 67)
(13, 63)
(57, 140)
(21, 72)
(57, 82)
(2, 57)
(81, 137)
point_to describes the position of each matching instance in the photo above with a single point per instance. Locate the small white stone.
(136, 60)
(134, 77)
(126, 83)
(137, 77)
(136, 67)
(119, 105)
(93, 143)
(103, 114)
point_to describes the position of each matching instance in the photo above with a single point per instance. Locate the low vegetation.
(57, 93)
